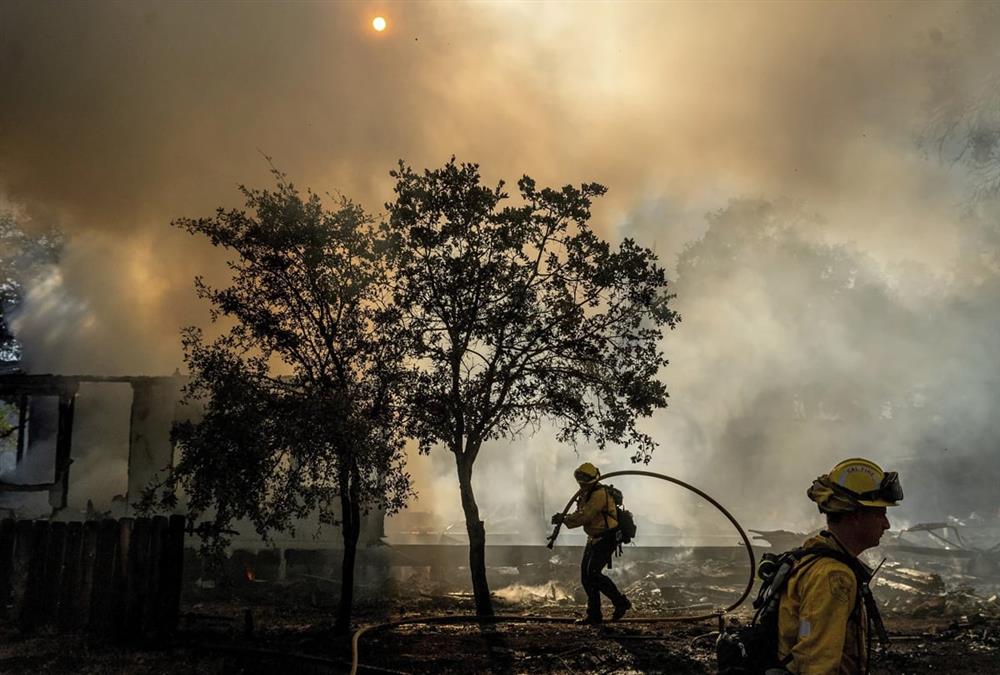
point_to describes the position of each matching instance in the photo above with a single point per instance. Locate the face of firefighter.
(871, 523)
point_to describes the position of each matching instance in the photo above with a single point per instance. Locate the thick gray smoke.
(837, 301)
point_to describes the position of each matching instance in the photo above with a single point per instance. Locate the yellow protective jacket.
(818, 622)
(596, 511)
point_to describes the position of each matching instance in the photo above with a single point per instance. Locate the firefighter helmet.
(855, 482)
(586, 474)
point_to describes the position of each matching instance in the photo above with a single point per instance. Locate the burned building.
(86, 446)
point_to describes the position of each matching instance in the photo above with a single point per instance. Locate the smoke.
(819, 119)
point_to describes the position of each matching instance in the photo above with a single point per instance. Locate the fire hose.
(703, 495)
(518, 618)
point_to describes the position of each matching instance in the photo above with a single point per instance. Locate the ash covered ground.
(943, 619)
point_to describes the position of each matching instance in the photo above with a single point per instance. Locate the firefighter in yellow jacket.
(823, 620)
(597, 513)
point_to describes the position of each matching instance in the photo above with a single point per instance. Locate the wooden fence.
(116, 578)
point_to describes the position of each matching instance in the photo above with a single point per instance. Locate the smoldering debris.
(551, 593)
(908, 585)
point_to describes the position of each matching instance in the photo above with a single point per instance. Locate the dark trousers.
(596, 556)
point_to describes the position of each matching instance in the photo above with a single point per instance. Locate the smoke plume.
(799, 168)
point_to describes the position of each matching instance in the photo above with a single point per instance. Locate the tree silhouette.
(521, 313)
(302, 392)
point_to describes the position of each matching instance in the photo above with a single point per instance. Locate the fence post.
(34, 591)
(53, 572)
(69, 587)
(8, 536)
(24, 533)
(102, 595)
(171, 573)
(88, 563)
(152, 616)
(119, 579)
(136, 571)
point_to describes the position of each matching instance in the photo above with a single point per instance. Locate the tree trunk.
(351, 528)
(477, 538)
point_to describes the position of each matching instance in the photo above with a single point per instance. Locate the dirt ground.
(268, 632)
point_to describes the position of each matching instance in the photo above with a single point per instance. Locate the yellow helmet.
(855, 482)
(586, 473)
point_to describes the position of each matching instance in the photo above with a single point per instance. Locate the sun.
(378, 23)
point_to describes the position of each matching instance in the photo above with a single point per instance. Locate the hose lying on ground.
(517, 618)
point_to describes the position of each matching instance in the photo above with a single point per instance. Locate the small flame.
(248, 573)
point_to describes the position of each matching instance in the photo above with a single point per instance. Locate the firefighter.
(597, 513)
(825, 611)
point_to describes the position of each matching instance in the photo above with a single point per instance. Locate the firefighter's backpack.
(626, 521)
(753, 649)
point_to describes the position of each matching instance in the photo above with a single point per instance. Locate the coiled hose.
(520, 618)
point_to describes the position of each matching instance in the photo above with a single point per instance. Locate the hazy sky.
(117, 117)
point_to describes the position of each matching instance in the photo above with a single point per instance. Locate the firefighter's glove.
(557, 519)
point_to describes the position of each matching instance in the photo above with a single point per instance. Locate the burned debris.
(940, 586)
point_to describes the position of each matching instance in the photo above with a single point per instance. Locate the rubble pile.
(550, 594)
(674, 584)
(922, 579)
(906, 590)
(978, 631)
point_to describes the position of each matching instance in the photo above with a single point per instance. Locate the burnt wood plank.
(136, 577)
(34, 592)
(172, 573)
(8, 536)
(88, 563)
(102, 592)
(53, 570)
(152, 616)
(119, 578)
(69, 586)
(24, 540)
(59, 492)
